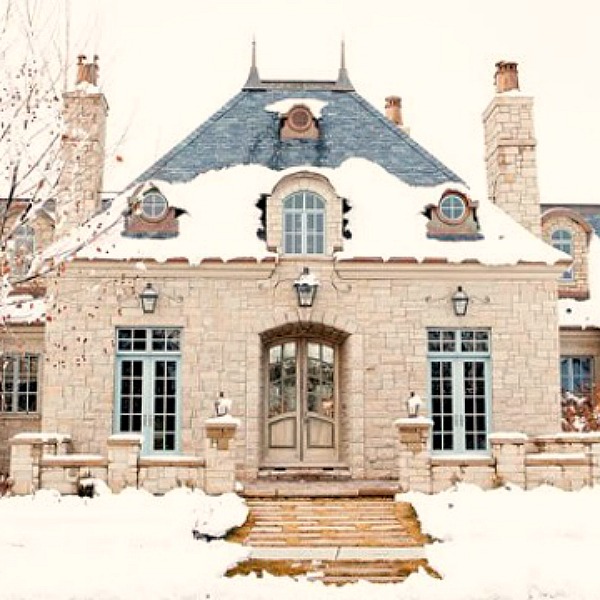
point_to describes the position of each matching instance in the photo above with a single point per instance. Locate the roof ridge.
(406, 138)
(190, 138)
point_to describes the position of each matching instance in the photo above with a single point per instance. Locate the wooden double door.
(301, 404)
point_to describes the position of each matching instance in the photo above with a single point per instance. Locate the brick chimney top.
(87, 72)
(393, 110)
(506, 78)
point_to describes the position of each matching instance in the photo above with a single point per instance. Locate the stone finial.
(87, 72)
(393, 110)
(506, 77)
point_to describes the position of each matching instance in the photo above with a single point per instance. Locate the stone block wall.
(376, 313)
(578, 287)
(567, 461)
(510, 155)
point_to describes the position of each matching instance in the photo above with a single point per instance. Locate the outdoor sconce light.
(222, 405)
(413, 405)
(306, 288)
(460, 302)
(148, 299)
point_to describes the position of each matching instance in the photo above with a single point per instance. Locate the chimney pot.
(87, 72)
(393, 109)
(506, 77)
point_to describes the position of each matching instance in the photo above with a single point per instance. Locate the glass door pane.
(164, 419)
(131, 390)
(442, 404)
(474, 394)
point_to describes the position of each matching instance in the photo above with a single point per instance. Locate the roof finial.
(253, 81)
(343, 81)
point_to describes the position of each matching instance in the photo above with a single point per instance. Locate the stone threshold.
(337, 553)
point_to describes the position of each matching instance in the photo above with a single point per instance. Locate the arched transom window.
(304, 223)
(562, 239)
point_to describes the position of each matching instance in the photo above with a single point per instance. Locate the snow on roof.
(22, 309)
(584, 313)
(221, 220)
(283, 106)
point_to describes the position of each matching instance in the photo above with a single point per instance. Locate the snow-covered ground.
(501, 545)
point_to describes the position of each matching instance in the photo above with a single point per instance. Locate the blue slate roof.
(243, 132)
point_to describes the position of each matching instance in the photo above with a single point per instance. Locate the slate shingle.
(243, 132)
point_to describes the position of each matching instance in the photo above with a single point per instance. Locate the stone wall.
(577, 287)
(567, 461)
(380, 311)
(510, 157)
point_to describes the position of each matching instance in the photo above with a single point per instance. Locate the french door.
(459, 390)
(301, 407)
(147, 387)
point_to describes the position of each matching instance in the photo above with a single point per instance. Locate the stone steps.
(333, 540)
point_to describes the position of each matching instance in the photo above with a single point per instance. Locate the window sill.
(19, 415)
(171, 461)
(462, 460)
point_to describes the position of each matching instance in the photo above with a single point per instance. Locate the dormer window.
(304, 223)
(151, 216)
(452, 208)
(299, 123)
(453, 218)
(21, 249)
(562, 239)
(154, 206)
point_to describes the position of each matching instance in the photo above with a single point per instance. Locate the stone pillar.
(123, 458)
(25, 458)
(220, 454)
(414, 456)
(593, 452)
(508, 452)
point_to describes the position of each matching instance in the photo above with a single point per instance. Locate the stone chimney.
(82, 149)
(393, 112)
(510, 150)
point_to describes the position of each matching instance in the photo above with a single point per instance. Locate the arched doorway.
(301, 395)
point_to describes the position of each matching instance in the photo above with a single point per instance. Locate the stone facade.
(380, 311)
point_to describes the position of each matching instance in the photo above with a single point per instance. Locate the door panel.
(301, 406)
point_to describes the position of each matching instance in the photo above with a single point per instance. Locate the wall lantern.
(148, 299)
(460, 302)
(306, 288)
(413, 405)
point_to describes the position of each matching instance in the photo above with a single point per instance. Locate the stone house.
(302, 264)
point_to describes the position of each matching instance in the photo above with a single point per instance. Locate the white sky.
(167, 66)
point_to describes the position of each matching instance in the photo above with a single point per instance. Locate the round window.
(300, 118)
(154, 206)
(453, 208)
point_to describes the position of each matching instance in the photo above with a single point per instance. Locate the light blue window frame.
(577, 375)
(148, 387)
(304, 223)
(459, 372)
(562, 239)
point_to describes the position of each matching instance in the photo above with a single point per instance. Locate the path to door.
(335, 540)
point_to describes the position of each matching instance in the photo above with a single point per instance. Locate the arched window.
(562, 239)
(304, 223)
(23, 248)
